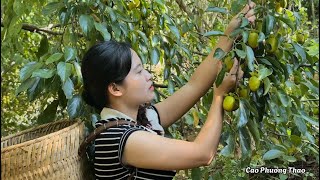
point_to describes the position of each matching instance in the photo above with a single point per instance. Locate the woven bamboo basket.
(49, 151)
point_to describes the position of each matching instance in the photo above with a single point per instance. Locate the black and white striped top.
(109, 147)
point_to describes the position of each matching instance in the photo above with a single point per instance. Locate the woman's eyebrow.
(139, 65)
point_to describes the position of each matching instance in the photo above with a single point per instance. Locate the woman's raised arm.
(175, 106)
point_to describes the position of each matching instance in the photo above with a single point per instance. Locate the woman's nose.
(149, 76)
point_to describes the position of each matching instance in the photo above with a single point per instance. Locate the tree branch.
(160, 85)
(33, 28)
(184, 8)
(309, 100)
(163, 95)
(199, 53)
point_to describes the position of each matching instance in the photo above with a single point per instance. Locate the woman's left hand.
(248, 12)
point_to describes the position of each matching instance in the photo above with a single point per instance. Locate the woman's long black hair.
(105, 63)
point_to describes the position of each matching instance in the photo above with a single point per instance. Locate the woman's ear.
(114, 90)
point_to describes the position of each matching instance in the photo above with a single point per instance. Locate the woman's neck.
(132, 112)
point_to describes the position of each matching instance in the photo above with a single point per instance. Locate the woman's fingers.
(247, 8)
(235, 66)
(252, 5)
(250, 13)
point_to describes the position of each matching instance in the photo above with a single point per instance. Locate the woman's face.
(138, 84)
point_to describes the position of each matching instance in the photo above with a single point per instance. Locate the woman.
(116, 83)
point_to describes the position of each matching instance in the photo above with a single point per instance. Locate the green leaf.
(93, 118)
(228, 150)
(189, 119)
(236, 6)
(18, 7)
(75, 106)
(270, 21)
(242, 54)
(244, 22)
(43, 47)
(196, 174)
(275, 63)
(235, 32)
(64, 70)
(283, 98)
(35, 89)
(287, 21)
(64, 16)
(272, 154)
(254, 130)
(309, 119)
(296, 140)
(168, 18)
(68, 88)
(175, 31)
(313, 50)
(284, 70)
(300, 51)
(264, 72)
(143, 35)
(252, 107)
(111, 13)
(49, 114)
(219, 54)
(28, 69)
(261, 37)
(54, 57)
(155, 54)
(310, 137)
(264, 61)
(250, 58)
(266, 84)
(25, 85)
(245, 142)
(217, 9)
(245, 36)
(43, 73)
(155, 41)
(300, 124)
(171, 87)
(166, 72)
(311, 87)
(52, 7)
(186, 50)
(221, 75)
(289, 158)
(69, 53)
(77, 67)
(103, 30)
(243, 114)
(86, 23)
(214, 33)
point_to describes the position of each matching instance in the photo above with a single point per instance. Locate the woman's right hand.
(229, 81)
(248, 12)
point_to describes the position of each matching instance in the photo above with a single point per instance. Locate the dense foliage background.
(43, 41)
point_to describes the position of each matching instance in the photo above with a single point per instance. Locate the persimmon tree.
(271, 118)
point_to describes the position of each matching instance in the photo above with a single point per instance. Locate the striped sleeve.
(123, 141)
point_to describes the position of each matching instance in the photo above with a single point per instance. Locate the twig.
(309, 100)
(184, 8)
(33, 28)
(160, 85)
(278, 134)
(199, 53)
(163, 95)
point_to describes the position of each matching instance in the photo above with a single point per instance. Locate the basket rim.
(76, 123)
(33, 128)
